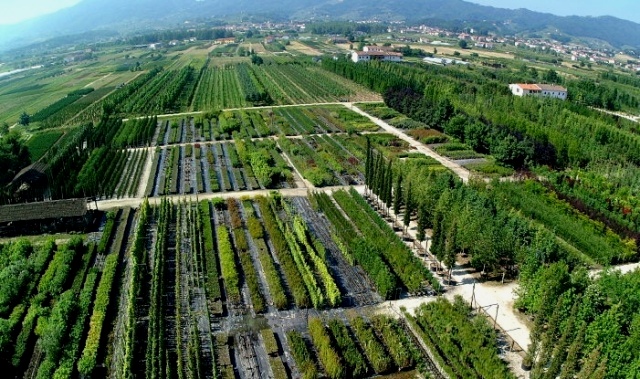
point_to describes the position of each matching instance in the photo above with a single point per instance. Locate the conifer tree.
(549, 340)
(388, 186)
(422, 222)
(560, 349)
(367, 166)
(397, 195)
(590, 364)
(407, 209)
(570, 365)
(449, 258)
(601, 371)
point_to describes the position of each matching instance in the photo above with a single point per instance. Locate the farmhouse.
(541, 90)
(225, 41)
(366, 56)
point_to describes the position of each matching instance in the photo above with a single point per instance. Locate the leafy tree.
(14, 156)
(463, 44)
(24, 119)
(256, 59)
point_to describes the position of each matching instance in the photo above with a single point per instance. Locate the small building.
(367, 56)
(377, 49)
(541, 90)
(30, 183)
(225, 41)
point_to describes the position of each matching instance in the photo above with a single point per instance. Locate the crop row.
(88, 361)
(161, 94)
(287, 264)
(131, 175)
(464, 345)
(384, 242)
(102, 172)
(45, 113)
(356, 248)
(242, 248)
(134, 133)
(357, 350)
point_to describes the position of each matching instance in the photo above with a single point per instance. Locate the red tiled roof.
(378, 53)
(530, 87)
(551, 87)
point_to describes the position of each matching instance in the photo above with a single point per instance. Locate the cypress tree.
(560, 349)
(407, 208)
(422, 222)
(387, 186)
(549, 340)
(601, 371)
(375, 175)
(571, 363)
(590, 364)
(381, 176)
(397, 195)
(449, 258)
(367, 166)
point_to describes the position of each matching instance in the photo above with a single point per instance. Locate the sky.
(625, 9)
(14, 11)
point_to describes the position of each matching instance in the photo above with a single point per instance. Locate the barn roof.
(43, 210)
(30, 174)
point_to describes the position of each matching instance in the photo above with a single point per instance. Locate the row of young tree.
(475, 106)
(473, 219)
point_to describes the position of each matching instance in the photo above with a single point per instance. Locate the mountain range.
(131, 15)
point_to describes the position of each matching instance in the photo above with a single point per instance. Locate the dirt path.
(97, 80)
(494, 298)
(135, 202)
(460, 171)
(620, 114)
(300, 181)
(248, 109)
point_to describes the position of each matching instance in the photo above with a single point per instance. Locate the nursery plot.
(327, 160)
(131, 174)
(243, 84)
(211, 289)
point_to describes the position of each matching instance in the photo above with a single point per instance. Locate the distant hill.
(127, 15)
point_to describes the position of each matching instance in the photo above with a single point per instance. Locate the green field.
(40, 143)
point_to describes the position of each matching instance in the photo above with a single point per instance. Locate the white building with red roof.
(368, 56)
(541, 90)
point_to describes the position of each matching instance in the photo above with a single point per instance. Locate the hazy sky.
(625, 9)
(13, 11)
